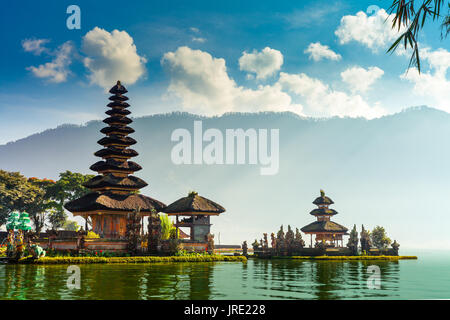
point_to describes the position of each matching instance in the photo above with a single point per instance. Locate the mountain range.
(392, 171)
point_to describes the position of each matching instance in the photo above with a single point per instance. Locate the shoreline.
(343, 258)
(214, 258)
(137, 259)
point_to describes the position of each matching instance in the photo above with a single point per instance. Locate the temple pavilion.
(115, 189)
(195, 212)
(324, 229)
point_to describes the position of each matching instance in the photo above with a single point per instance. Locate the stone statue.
(154, 233)
(11, 244)
(133, 231)
(255, 245)
(210, 243)
(244, 249)
(395, 245)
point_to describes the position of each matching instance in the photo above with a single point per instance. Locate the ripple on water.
(255, 279)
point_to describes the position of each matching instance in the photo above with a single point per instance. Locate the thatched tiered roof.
(323, 199)
(323, 212)
(114, 189)
(194, 204)
(109, 201)
(324, 226)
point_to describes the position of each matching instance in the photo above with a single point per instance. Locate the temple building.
(195, 212)
(325, 230)
(114, 190)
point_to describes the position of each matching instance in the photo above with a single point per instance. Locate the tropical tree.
(42, 204)
(16, 193)
(68, 187)
(379, 238)
(353, 241)
(413, 15)
(167, 227)
(71, 225)
(289, 238)
(299, 243)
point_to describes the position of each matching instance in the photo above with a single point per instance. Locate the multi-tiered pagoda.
(114, 189)
(325, 230)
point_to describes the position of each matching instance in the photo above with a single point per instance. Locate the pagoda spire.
(115, 169)
(114, 189)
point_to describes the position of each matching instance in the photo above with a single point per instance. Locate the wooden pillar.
(176, 222)
(311, 240)
(86, 222)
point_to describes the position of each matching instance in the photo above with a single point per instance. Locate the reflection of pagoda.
(114, 190)
(324, 229)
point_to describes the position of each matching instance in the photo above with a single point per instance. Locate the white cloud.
(263, 64)
(112, 56)
(194, 29)
(198, 39)
(204, 86)
(360, 79)
(57, 70)
(322, 101)
(35, 46)
(432, 84)
(373, 31)
(317, 52)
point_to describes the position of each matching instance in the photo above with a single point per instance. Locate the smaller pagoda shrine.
(195, 212)
(325, 230)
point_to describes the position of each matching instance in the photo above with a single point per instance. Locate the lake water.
(426, 278)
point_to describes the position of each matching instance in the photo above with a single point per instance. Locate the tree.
(69, 187)
(71, 225)
(42, 204)
(16, 193)
(299, 243)
(413, 16)
(365, 240)
(167, 227)
(280, 243)
(353, 241)
(290, 240)
(379, 238)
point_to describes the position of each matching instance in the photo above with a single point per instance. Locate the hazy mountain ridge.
(386, 171)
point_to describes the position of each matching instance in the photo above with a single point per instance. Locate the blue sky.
(209, 57)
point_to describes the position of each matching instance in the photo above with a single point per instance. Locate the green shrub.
(147, 259)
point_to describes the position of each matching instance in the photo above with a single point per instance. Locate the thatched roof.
(111, 151)
(323, 199)
(116, 139)
(111, 164)
(120, 104)
(110, 180)
(116, 129)
(118, 89)
(116, 111)
(118, 98)
(121, 120)
(324, 226)
(194, 203)
(115, 202)
(323, 212)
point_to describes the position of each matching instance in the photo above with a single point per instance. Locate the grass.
(390, 258)
(150, 259)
